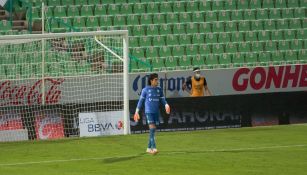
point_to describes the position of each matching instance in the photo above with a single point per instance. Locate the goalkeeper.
(152, 95)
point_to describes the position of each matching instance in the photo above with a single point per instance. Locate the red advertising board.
(10, 121)
(48, 125)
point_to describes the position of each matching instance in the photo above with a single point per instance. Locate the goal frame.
(125, 59)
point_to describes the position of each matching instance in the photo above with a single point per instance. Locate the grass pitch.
(261, 150)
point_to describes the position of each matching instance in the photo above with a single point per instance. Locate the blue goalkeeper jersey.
(152, 97)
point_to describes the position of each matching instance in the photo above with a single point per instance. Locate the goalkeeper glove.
(167, 109)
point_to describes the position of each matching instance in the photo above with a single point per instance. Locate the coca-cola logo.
(25, 94)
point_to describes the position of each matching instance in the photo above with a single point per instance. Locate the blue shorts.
(152, 118)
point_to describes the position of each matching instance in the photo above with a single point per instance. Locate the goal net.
(63, 85)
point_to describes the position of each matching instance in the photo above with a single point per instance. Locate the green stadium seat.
(185, 17)
(231, 26)
(52, 23)
(5, 25)
(138, 30)
(242, 4)
(2, 71)
(36, 14)
(256, 25)
(211, 37)
(204, 49)
(198, 38)
(218, 5)
(302, 54)
(172, 40)
(251, 36)
(138, 52)
(280, 4)
(204, 27)
(301, 33)
(224, 37)
(145, 41)
(92, 22)
(212, 59)
(192, 50)
(87, 10)
(100, 10)
(65, 23)
(152, 52)
(73, 11)
(287, 13)
(230, 48)
(249, 14)
(268, 4)
(165, 29)
(211, 16)
(145, 19)
(133, 41)
(54, 2)
(225, 59)
(297, 44)
(293, 3)
(277, 35)
(295, 23)
(192, 6)
(243, 26)
(275, 13)
(179, 28)
(106, 21)
(269, 24)
(255, 4)
(92, 2)
(263, 35)
(114, 9)
(237, 15)
(251, 58)
(158, 63)
(217, 48)
(238, 58)
(230, 4)
(304, 23)
(244, 47)
(79, 22)
(152, 29)
(192, 28)
(172, 18)
(218, 26)
(177, 51)
(13, 72)
(166, 7)
(224, 15)
(153, 7)
(126, 9)
(80, 2)
(119, 20)
(185, 39)
(165, 51)
(283, 45)
(282, 24)
(67, 2)
(205, 6)
(159, 18)
(59, 11)
(262, 14)
(299, 12)
(270, 46)
(48, 11)
(179, 6)
(158, 41)
(184, 61)
(237, 37)
(277, 56)
(133, 20)
(198, 60)
(289, 34)
(171, 63)
(264, 58)
(290, 56)
(257, 46)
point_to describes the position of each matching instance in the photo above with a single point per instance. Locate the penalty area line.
(135, 155)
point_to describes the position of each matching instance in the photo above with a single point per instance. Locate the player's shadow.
(121, 159)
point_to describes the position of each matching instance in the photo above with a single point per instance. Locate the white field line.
(135, 155)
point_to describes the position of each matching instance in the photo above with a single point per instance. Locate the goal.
(64, 85)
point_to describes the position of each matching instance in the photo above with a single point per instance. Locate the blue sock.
(152, 137)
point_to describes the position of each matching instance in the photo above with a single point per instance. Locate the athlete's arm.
(163, 101)
(136, 116)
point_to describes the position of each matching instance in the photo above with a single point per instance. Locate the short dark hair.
(196, 69)
(151, 77)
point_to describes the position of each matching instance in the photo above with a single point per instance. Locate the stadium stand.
(181, 34)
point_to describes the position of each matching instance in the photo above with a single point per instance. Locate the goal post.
(64, 85)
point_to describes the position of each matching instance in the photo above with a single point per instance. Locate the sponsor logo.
(273, 77)
(24, 94)
(49, 126)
